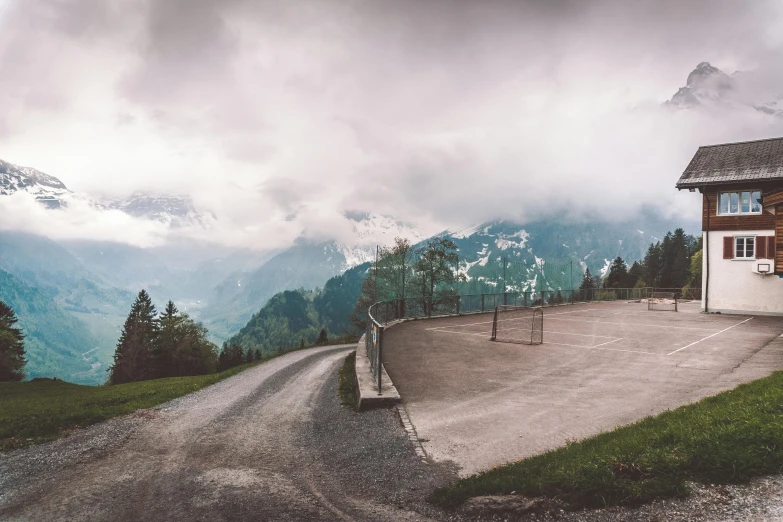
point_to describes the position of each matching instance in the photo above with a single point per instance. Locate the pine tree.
(635, 275)
(249, 356)
(258, 354)
(653, 265)
(133, 353)
(322, 337)
(164, 360)
(12, 352)
(222, 361)
(588, 281)
(618, 274)
(302, 344)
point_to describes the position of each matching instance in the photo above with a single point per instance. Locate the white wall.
(734, 288)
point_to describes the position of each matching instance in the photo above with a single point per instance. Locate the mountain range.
(86, 287)
(94, 282)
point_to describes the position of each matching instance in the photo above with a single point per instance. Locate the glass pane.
(733, 207)
(723, 208)
(749, 244)
(755, 198)
(740, 250)
(745, 202)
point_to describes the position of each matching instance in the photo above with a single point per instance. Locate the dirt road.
(272, 443)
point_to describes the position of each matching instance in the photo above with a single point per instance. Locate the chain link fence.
(381, 314)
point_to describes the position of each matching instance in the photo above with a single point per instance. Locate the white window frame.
(744, 239)
(739, 211)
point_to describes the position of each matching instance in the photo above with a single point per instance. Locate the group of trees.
(169, 345)
(12, 352)
(400, 272)
(674, 262)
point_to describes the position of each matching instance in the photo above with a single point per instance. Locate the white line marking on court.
(608, 342)
(633, 324)
(713, 335)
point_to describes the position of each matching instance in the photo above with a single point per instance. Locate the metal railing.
(382, 313)
(373, 343)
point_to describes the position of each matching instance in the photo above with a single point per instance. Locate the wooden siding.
(773, 198)
(779, 240)
(763, 221)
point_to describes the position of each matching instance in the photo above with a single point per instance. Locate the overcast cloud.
(279, 116)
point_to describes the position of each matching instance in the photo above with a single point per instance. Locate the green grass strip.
(41, 410)
(347, 381)
(728, 438)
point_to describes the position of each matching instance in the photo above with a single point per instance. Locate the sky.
(280, 116)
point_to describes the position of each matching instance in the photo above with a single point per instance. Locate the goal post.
(662, 301)
(518, 324)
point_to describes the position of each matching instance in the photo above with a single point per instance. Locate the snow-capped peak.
(708, 87)
(171, 209)
(47, 189)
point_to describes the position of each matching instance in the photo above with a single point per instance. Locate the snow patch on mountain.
(370, 231)
(463, 233)
(605, 269)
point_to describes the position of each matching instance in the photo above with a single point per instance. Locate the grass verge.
(728, 438)
(41, 410)
(347, 381)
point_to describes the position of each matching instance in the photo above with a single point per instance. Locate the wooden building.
(742, 222)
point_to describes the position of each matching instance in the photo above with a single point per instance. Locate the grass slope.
(347, 381)
(55, 340)
(41, 410)
(729, 438)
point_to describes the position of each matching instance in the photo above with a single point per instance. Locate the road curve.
(271, 443)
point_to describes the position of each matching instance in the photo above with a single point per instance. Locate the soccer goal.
(662, 301)
(518, 324)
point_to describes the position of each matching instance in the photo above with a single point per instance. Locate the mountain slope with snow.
(709, 87)
(47, 189)
(551, 255)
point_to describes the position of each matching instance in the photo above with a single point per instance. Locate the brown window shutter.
(761, 247)
(770, 247)
(728, 247)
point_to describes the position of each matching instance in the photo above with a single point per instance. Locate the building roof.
(734, 162)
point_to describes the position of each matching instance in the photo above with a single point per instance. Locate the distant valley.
(88, 286)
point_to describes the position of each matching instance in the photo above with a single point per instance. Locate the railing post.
(482, 302)
(380, 357)
(458, 303)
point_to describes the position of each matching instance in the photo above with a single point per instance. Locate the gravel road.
(272, 443)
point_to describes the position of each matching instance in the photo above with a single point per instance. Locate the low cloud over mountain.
(274, 119)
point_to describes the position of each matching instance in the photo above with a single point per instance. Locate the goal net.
(664, 301)
(518, 324)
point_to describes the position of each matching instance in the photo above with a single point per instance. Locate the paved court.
(481, 403)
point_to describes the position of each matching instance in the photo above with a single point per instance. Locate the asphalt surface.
(478, 403)
(272, 443)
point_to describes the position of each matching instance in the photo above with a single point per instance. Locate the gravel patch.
(35, 468)
(370, 455)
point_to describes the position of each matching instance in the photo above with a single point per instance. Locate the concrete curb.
(411, 431)
(367, 396)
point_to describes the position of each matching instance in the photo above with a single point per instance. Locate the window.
(745, 247)
(740, 202)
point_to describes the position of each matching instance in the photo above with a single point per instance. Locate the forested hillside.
(293, 316)
(57, 344)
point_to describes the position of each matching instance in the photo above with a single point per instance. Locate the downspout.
(707, 257)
